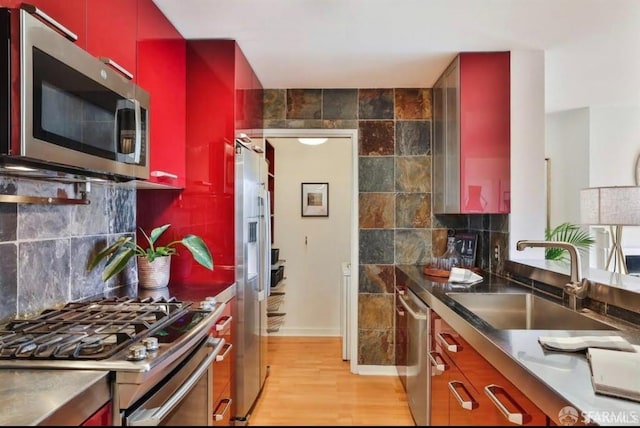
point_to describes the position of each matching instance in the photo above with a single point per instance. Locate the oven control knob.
(208, 304)
(151, 343)
(137, 352)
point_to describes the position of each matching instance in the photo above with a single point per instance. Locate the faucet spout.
(574, 255)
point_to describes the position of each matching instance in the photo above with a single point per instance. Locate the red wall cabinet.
(471, 144)
(111, 32)
(161, 70)
(218, 102)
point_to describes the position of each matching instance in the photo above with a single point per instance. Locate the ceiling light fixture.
(312, 141)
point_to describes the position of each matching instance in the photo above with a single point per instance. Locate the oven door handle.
(153, 417)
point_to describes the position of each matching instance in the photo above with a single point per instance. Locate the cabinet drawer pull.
(440, 367)
(451, 347)
(163, 174)
(218, 416)
(223, 325)
(108, 61)
(52, 22)
(468, 405)
(399, 311)
(225, 353)
(515, 418)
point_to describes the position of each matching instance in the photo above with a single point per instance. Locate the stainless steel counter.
(51, 397)
(552, 380)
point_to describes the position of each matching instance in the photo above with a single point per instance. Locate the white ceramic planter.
(154, 275)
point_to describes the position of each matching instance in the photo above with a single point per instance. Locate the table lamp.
(614, 206)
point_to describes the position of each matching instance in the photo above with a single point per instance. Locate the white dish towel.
(463, 276)
(580, 343)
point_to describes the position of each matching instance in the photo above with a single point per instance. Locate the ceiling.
(408, 43)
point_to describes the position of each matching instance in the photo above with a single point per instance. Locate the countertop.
(49, 397)
(552, 380)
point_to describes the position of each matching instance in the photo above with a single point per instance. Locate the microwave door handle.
(138, 145)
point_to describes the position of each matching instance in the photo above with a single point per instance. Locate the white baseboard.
(377, 370)
(315, 332)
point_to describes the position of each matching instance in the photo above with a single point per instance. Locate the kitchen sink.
(525, 311)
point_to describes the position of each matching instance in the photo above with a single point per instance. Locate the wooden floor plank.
(310, 384)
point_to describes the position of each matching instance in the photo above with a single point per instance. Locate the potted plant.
(567, 232)
(154, 260)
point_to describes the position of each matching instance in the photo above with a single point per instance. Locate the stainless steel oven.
(160, 353)
(184, 398)
(64, 109)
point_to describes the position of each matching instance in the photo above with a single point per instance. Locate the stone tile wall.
(44, 249)
(394, 169)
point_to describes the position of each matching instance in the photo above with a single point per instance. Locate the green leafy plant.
(570, 233)
(122, 250)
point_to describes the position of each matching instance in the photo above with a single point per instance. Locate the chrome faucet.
(578, 287)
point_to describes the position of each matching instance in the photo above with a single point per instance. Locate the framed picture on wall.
(315, 199)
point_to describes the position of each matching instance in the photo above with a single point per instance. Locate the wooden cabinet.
(111, 32)
(275, 318)
(471, 139)
(161, 70)
(223, 367)
(102, 417)
(270, 155)
(478, 394)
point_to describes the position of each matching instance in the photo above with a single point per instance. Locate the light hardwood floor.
(310, 384)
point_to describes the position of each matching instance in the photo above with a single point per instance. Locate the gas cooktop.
(116, 333)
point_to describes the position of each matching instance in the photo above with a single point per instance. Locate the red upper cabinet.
(224, 98)
(162, 72)
(471, 144)
(68, 13)
(111, 32)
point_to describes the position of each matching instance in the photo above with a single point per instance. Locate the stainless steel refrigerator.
(253, 275)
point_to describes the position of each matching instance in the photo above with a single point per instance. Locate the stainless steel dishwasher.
(418, 371)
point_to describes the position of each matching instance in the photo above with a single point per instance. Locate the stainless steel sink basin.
(525, 311)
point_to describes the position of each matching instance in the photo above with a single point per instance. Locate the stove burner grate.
(91, 330)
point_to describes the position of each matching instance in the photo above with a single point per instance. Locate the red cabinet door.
(111, 31)
(162, 72)
(100, 418)
(485, 132)
(69, 13)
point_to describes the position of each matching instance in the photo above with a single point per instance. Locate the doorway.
(315, 247)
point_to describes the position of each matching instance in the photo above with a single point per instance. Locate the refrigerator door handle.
(267, 243)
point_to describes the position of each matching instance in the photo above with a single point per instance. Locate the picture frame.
(466, 244)
(315, 200)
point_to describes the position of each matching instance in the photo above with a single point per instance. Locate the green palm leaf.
(570, 233)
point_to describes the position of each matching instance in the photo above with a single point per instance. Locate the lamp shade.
(616, 205)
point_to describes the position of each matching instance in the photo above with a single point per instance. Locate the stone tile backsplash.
(45, 249)
(394, 183)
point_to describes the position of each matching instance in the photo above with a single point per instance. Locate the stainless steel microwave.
(64, 109)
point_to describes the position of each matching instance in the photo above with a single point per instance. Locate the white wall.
(527, 219)
(615, 145)
(567, 148)
(313, 247)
